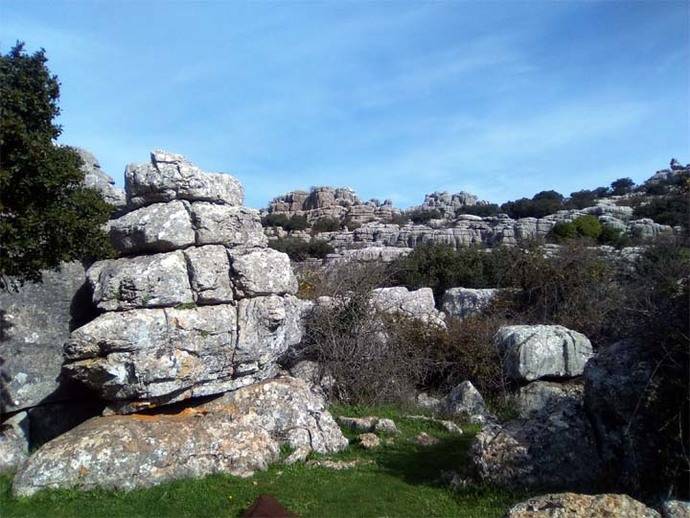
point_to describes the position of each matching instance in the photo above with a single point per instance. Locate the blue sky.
(395, 99)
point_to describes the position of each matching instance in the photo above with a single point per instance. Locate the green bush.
(441, 267)
(284, 221)
(275, 220)
(299, 249)
(672, 209)
(482, 210)
(564, 230)
(326, 225)
(400, 219)
(542, 204)
(612, 236)
(422, 217)
(296, 223)
(588, 226)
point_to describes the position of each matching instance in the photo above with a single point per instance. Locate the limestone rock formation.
(534, 352)
(466, 402)
(238, 433)
(540, 396)
(418, 304)
(447, 204)
(618, 382)
(553, 449)
(96, 178)
(340, 203)
(14, 442)
(197, 304)
(463, 302)
(572, 505)
(170, 176)
(35, 321)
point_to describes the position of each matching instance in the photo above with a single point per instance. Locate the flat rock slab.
(572, 505)
(237, 434)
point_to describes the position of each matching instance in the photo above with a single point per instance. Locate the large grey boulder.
(572, 505)
(675, 509)
(262, 271)
(96, 178)
(534, 352)
(238, 434)
(619, 397)
(209, 274)
(35, 322)
(226, 225)
(170, 176)
(554, 449)
(417, 304)
(147, 281)
(463, 302)
(540, 396)
(465, 402)
(160, 227)
(14, 442)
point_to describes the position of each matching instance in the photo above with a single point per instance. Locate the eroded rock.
(572, 505)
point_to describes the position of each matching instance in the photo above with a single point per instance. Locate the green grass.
(403, 480)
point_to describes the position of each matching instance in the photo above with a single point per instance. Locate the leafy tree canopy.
(47, 216)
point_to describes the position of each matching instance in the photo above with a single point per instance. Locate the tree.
(47, 216)
(622, 186)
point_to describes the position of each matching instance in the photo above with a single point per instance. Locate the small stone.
(424, 439)
(369, 441)
(384, 425)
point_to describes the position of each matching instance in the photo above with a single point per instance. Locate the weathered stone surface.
(262, 271)
(267, 327)
(675, 509)
(534, 352)
(417, 304)
(312, 373)
(571, 505)
(466, 402)
(147, 281)
(424, 400)
(539, 396)
(463, 302)
(424, 439)
(209, 274)
(238, 433)
(14, 442)
(96, 178)
(226, 225)
(50, 420)
(554, 449)
(160, 227)
(35, 321)
(369, 424)
(370, 254)
(170, 177)
(618, 383)
(155, 355)
(369, 441)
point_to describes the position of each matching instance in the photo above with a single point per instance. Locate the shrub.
(671, 209)
(622, 186)
(287, 223)
(358, 346)
(422, 217)
(296, 223)
(542, 204)
(588, 226)
(441, 267)
(400, 219)
(482, 210)
(581, 199)
(564, 230)
(299, 249)
(326, 225)
(274, 219)
(613, 236)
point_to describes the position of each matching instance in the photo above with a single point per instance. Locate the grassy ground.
(403, 480)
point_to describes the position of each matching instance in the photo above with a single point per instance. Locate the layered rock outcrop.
(96, 178)
(573, 505)
(238, 433)
(197, 304)
(340, 203)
